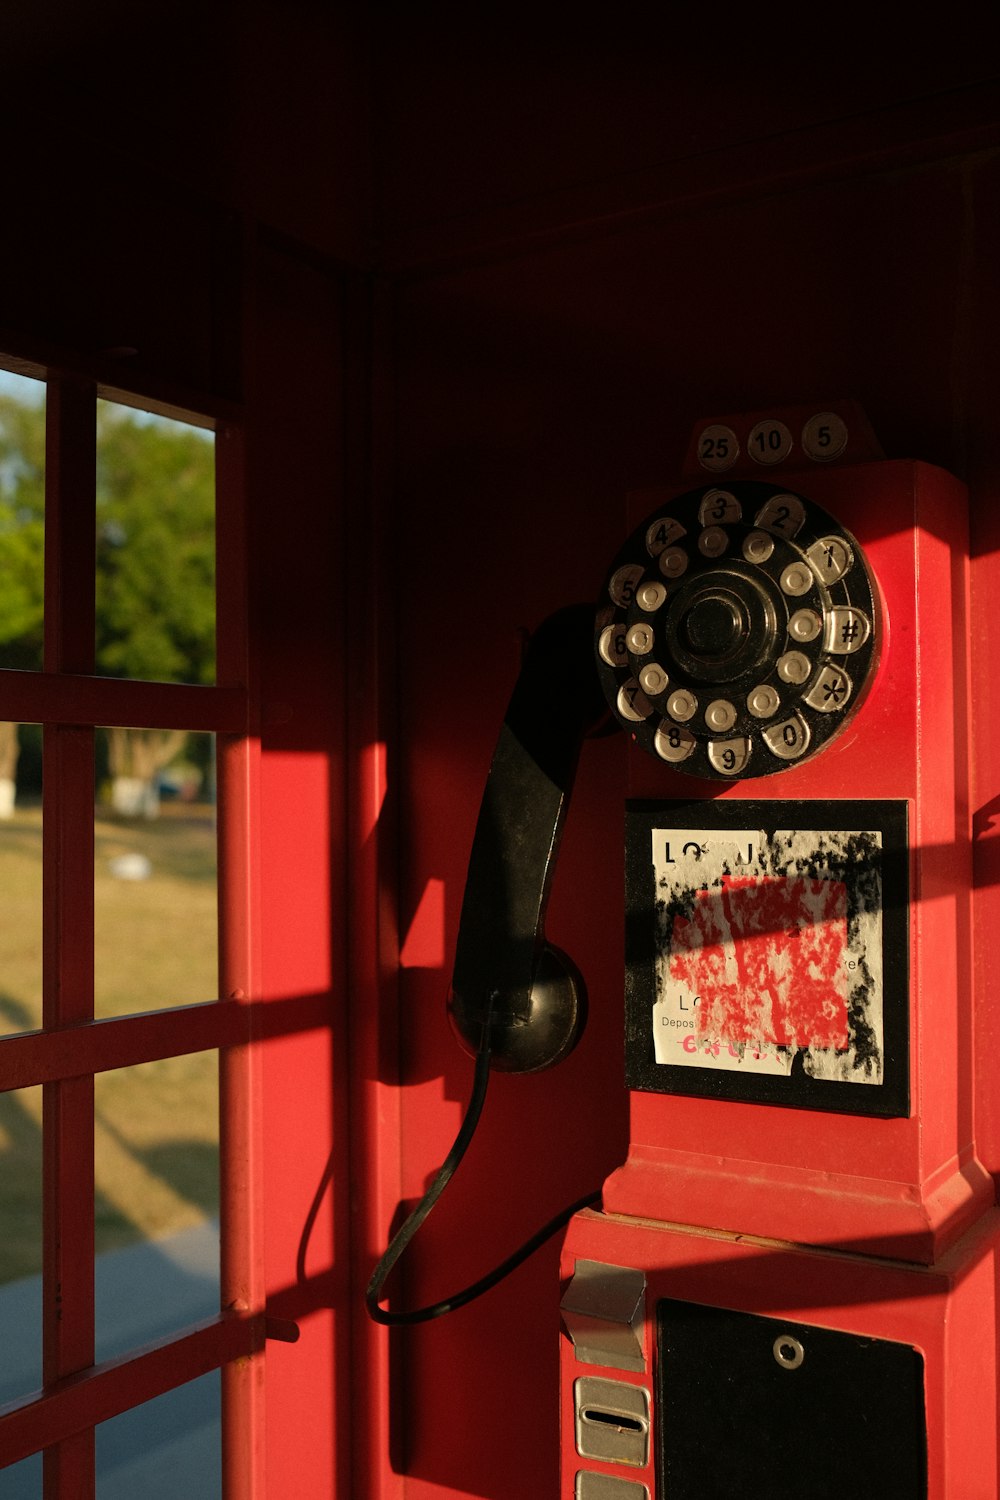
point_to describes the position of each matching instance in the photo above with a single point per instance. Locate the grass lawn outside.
(156, 1125)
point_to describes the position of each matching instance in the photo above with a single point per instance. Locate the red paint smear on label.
(768, 958)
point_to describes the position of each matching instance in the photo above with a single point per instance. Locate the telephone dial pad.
(738, 631)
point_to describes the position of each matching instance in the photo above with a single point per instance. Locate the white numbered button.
(682, 705)
(662, 533)
(789, 739)
(770, 442)
(830, 691)
(797, 579)
(718, 447)
(824, 437)
(633, 703)
(640, 639)
(653, 679)
(783, 513)
(846, 629)
(624, 583)
(673, 743)
(757, 547)
(673, 562)
(729, 756)
(804, 626)
(720, 715)
(611, 646)
(713, 541)
(719, 507)
(832, 557)
(794, 667)
(650, 596)
(763, 701)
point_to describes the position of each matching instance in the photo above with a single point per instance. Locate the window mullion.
(68, 945)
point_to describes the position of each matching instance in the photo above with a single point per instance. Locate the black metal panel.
(753, 1408)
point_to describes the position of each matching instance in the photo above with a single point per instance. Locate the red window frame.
(72, 1046)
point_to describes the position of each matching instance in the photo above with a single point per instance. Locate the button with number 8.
(673, 743)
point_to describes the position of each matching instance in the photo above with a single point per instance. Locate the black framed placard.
(767, 947)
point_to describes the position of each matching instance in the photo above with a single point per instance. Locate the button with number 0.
(789, 739)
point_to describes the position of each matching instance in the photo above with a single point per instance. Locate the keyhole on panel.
(788, 1352)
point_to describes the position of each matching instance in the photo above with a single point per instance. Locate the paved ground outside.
(169, 1448)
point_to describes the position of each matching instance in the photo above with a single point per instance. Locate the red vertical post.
(68, 937)
(237, 758)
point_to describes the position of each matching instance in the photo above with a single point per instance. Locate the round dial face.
(737, 631)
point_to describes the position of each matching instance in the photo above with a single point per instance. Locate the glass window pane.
(155, 873)
(20, 1242)
(22, 512)
(155, 547)
(21, 883)
(165, 1448)
(22, 1481)
(156, 1162)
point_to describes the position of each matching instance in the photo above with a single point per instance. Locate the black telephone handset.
(737, 632)
(533, 995)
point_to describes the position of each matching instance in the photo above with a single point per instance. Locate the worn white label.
(769, 952)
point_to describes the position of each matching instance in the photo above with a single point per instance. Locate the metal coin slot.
(612, 1421)
(788, 1351)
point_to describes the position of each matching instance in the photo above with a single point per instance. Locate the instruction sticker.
(765, 957)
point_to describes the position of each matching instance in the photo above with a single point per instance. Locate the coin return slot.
(612, 1421)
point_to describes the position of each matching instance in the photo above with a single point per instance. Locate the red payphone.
(788, 1288)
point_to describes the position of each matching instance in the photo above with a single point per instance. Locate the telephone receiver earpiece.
(505, 969)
